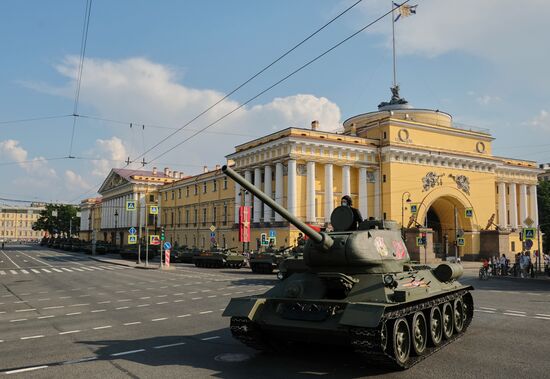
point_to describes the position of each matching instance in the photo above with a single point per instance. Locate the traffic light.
(162, 234)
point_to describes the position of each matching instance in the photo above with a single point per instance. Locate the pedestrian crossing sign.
(153, 210)
(414, 208)
(420, 241)
(469, 212)
(130, 205)
(132, 239)
(460, 241)
(529, 233)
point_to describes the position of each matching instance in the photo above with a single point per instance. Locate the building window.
(196, 215)
(385, 135)
(204, 187)
(151, 198)
(172, 195)
(204, 210)
(214, 185)
(187, 191)
(225, 183)
(196, 189)
(187, 217)
(384, 178)
(179, 193)
(172, 219)
(384, 215)
(179, 217)
(225, 213)
(215, 216)
(513, 247)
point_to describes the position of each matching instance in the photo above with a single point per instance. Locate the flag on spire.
(404, 10)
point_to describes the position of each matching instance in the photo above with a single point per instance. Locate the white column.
(534, 213)
(268, 212)
(329, 191)
(502, 204)
(310, 192)
(237, 201)
(363, 200)
(513, 206)
(248, 196)
(346, 183)
(522, 204)
(291, 191)
(279, 188)
(377, 195)
(257, 202)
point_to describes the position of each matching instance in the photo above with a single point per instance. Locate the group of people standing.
(523, 266)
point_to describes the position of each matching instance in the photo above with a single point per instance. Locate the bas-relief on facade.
(378, 158)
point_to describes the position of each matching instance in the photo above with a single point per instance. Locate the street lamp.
(403, 210)
(116, 225)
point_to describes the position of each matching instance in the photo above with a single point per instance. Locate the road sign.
(154, 239)
(469, 212)
(272, 241)
(130, 205)
(153, 210)
(528, 244)
(460, 233)
(167, 245)
(528, 221)
(167, 256)
(529, 233)
(212, 228)
(263, 239)
(420, 241)
(132, 230)
(460, 241)
(212, 234)
(213, 240)
(272, 234)
(132, 239)
(414, 208)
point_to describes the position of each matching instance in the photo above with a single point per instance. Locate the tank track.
(248, 333)
(368, 341)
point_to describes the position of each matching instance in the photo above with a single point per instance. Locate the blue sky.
(160, 63)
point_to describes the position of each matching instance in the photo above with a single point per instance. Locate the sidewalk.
(116, 260)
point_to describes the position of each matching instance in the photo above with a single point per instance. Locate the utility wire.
(83, 43)
(279, 81)
(33, 119)
(251, 78)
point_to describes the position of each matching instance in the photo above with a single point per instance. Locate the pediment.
(112, 181)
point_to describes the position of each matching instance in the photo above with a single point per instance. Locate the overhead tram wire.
(246, 82)
(30, 119)
(83, 43)
(251, 78)
(279, 81)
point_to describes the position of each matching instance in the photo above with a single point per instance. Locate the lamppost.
(90, 225)
(403, 210)
(116, 225)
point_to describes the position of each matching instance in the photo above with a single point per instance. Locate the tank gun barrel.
(320, 238)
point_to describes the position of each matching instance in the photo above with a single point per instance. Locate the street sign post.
(153, 210)
(460, 241)
(154, 239)
(132, 230)
(212, 228)
(167, 245)
(420, 241)
(167, 257)
(132, 239)
(272, 234)
(263, 239)
(130, 205)
(414, 208)
(529, 233)
(469, 212)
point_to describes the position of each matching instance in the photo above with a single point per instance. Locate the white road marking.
(65, 297)
(20, 319)
(178, 301)
(513, 314)
(102, 327)
(24, 271)
(159, 319)
(187, 315)
(98, 310)
(70, 332)
(515, 311)
(41, 317)
(44, 299)
(35, 271)
(179, 294)
(162, 295)
(13, 272)
(56, 307)
(16, 265)
(2, 272)
(84, 295)
(483, 310)
(105, 302)
(145, 297)
(26, 310)
(122, 300)
(209, 338)
(122, 308)
(66, 269)
(73, 314)
(542, 318)
(79, 360)
(162, 302)
(205, 312)
(57, 270)
(127, 352)
(25, 369)
(132, 323)
(32, 337)
(143, 305)
(543, 315)
(120, 291)
(79, 305)
(170, 345)
(211, 296)
(46, 270)
(196, 298)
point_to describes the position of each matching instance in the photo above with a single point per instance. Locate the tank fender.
(243, 307)
(363, 315)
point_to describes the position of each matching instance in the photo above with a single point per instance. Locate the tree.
(65, 222)
(543, 200)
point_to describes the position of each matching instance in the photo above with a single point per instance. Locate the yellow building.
(90, 217)
(197, 211)
(16, 223)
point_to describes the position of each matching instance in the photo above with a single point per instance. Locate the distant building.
(90, 217)
(544, 176)
(16, 222)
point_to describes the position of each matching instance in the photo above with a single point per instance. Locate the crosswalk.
(54, 270)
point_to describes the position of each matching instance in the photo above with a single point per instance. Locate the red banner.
(244, 223)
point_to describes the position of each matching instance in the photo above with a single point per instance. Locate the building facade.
(16, 223)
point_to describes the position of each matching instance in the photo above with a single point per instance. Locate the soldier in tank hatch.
(357, 218)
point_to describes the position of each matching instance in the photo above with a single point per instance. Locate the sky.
(152, 66)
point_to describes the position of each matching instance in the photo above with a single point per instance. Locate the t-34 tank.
(267, 261)
(219, 257)
(360, 290)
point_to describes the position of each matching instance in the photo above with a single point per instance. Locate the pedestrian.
(523, 264)
(503, 265)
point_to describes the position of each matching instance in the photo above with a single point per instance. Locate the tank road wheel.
(436, 326)
(419, 333)
(384, 337)
(401, 341)
(447, 320)
(459, 314)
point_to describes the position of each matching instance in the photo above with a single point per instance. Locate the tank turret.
(357, 288)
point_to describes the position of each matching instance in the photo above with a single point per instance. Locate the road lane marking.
(57, 270)
(162, 302)
(102, 327)
(73, 314)
(2, 272)
(209, 338)
(483, 310)
(25, 369)
(79, 305)
(127, 352)
(65, 297)
(143, 305)
(98, 310)
(187, 315)
(105, 302)
(205, 312)
(16, 265)
(25, 310)
(46, 270)
(159, 319)
(32, 337)
(44, 299)
(13, 272)
(162, 295)
(24, 271)
(69, 332)
(178, 301)
(35, 271)
(55, 307)
(196, 298)
(514, 314)
(145, 297)
(211, 296)
(65, 269)
(515, 311)
(78, 269)
(20, 319)
(543, 315)
(122, 300)
(170, 345)
(122, 308)
(132, 323)
(41, 317)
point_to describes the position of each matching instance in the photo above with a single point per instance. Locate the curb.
(111, 262)
(537, 279)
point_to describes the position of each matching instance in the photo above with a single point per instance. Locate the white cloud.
(485, 99)
(114, 153)
(73, 181)
(11, 149)
(541, 121)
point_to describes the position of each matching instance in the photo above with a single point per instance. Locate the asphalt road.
(64, 315)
